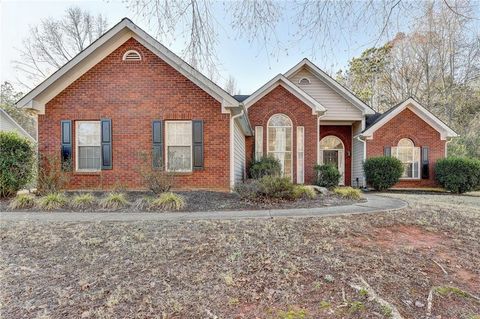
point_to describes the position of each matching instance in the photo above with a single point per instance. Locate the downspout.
(232, 148)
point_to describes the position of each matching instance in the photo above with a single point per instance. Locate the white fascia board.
(117, 35)
(421, 112)
(289, 86)
(328, 80)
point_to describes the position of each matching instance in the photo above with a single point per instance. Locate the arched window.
(409, 155)
(132, 55)
(304, 81)
(279, 141)
(332, 151)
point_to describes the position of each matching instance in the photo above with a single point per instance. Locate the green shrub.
(169, 201)
(458, 175)
(276, 187)
(83, 201)
(348, 192)
(327, 176)
(266, 166)
(22, 201)
(249, 190)
(382, 172)
(302, 191)
(114, 201)
(52, 201)
(17, 156)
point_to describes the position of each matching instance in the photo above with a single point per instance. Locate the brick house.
(126, 102)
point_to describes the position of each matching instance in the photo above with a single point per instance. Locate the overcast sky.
(248, 63)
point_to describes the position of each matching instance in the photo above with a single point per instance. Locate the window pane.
(258, 142)
(179, 133)
(88, 133)
(279, 120)
(405, 142)
(89, 158)
(179, 158)
(331, 142)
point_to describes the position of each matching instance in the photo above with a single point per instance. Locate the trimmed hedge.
(382, 172)
(458, 175)
(266, 166)
(327, 176)
(17, 156)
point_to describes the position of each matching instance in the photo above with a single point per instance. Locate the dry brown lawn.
(361, 266)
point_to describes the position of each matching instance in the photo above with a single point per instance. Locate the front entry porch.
(335, 148)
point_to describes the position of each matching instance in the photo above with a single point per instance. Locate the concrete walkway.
(374, 203)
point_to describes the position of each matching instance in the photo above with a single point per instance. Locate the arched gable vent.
(304, 81)
(132, 55)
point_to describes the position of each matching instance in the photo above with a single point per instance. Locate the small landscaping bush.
(22, 201)
(158, 180)
(169, 201)
(52, 201)
(302, 191)
(17, 156)
(458, 175)
(114, 201)
(382, 172)
(327, 176)
(249, 190)
(275, 187)
(83, 201)
(266, 166)
(348, 192)
(51, 177)
(143, 203)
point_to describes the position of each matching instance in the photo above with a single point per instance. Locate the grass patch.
(22, 201)
(114, 201)
(302, 191)
(348, 192)
(446, 290)
(52, 201)
(168, 201)
(83, 201)
(356, 307)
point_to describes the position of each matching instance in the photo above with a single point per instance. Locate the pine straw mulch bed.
(362, 266)
(210, 201)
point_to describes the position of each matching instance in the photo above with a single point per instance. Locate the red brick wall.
(408, 124)
(343, 132)
(279, 100)
(133, 94)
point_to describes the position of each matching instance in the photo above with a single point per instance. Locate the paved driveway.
(374, 203)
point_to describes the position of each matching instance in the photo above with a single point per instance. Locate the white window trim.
(124, 58)
(166, 149)
(291, 139)
(77, 145)
(394, 151)
(301, 155)
(258, 142)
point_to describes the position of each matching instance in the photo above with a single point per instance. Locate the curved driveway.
(374, 203)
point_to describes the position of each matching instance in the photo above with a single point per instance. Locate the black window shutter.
(66, 149)
(157, 144)
(387, 151)
(197, 138)
(425, 166)
(106, 129)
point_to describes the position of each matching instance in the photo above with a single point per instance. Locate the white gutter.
(232, 148)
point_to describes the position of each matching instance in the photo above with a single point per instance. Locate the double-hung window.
(178, 146)
(88, 141)
(409, 155)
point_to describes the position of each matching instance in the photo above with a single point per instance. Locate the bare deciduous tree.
(231, 86)
(56, 41)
